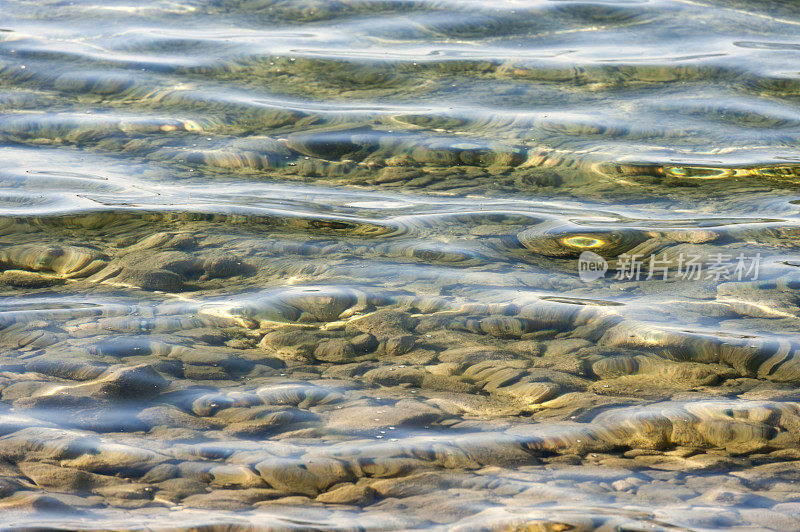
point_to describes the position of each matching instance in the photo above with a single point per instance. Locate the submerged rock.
(65, 478)
(25, 279)
(155, 280)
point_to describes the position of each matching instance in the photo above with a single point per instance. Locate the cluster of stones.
(346, 399)
(355, 397)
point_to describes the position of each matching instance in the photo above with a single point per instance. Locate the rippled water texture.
(371, 265)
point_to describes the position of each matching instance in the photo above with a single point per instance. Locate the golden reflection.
(697, 172)
(583, 242)
(700, 172)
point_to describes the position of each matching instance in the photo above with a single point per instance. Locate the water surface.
(383, 265)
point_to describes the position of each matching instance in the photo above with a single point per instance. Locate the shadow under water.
(399, 265)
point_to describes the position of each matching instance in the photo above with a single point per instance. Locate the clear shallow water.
(316, 265)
